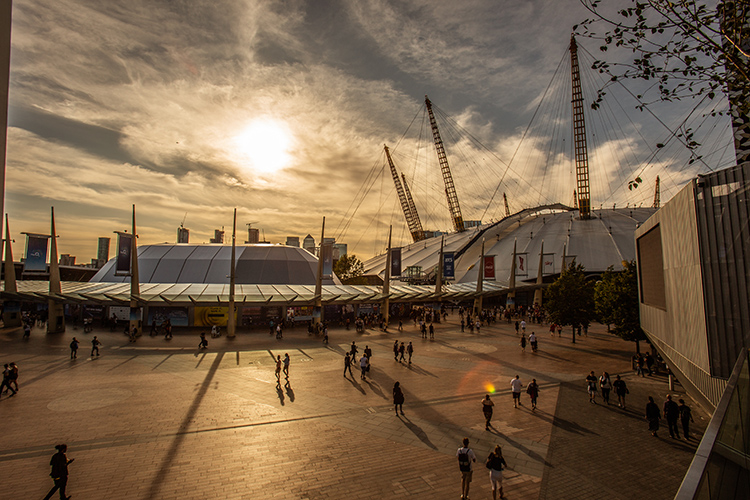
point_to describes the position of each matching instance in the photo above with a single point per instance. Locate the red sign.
(520, 263)
(489, 267)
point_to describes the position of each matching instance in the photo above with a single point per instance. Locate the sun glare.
(264, 146)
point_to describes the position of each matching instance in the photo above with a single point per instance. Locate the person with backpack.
(410, 351)
(496, 464)
(465, 457)
(74, 348)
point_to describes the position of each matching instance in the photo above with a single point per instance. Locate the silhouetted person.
(59, 474)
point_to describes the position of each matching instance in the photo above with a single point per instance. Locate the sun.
(264, 145)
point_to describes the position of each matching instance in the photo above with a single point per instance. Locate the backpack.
(464, 463)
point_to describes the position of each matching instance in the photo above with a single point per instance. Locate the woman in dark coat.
(398, 398)
(653, 415)
(59, 463)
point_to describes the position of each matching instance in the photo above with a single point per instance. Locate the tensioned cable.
(524, 136)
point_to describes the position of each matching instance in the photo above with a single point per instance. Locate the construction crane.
(412, 218)
(450, 188)
(657, 194)
(579, 136)
(413, 209)
(507, 209)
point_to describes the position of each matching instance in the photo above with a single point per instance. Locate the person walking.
(73, 348)
(203, 344)
(286, 365)
(398, 398)
(26, 330)
(401, 352)
(523, 326)
(685, 417)
(621, 389)
(368, 352)
(639, 365)
(518, 327)
(6, 381)
(278, 366)
(605, 385)
(672, 414)
(533, 391)
(523, 342)
(13, 376)
(465, 457)
(533, 342)
(432, 331)
(515, 388)
(395, 350)
(95, 346)
(364, 366)
(59, 474)
(487, 405)
(410, 351)
(496, 463)
(591, 387)
(325, 334)
(649, 364)
(653, 415)
(463, 323)
(353, 351)
(348, 365)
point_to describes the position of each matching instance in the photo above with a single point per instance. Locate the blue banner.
(448, 268)
(36, 253)
(395, 262)
(124, 250)
(326, 253)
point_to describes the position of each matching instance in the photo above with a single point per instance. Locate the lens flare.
(489, 388)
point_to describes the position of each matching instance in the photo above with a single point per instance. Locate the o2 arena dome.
(260, 264)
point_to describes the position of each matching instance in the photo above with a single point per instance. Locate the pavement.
(159, 419)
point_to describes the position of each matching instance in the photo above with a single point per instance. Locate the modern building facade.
(694, 279)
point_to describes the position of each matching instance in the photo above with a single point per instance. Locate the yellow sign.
(210, 316)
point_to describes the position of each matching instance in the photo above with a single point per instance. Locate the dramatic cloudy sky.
(281, 108)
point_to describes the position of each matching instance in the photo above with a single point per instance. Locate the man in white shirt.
(466, 457)
(515, 387)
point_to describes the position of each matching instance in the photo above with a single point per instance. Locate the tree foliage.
(570, 299)
(616, 299)
(349, 269)
(687, 48)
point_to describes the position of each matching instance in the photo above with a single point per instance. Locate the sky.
(188, 109)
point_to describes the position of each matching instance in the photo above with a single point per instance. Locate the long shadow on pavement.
(355, 384)
(420, 371)
(417, 431)
(166, 464)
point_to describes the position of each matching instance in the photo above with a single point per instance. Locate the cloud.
(115, 103)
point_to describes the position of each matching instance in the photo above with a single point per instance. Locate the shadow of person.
(356, 384)
(375, 388)
(280, 392)
(289, 391)
(417, 431)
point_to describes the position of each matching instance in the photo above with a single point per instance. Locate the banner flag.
(549, 264)
(395, 262)
(36, 253)
(326, 252)
(124, 250)
(489, 267)
(521, 264)
(449, 271)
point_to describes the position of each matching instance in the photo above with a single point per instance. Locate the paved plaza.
(158, 419)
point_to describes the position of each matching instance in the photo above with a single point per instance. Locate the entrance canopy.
(165, 294)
